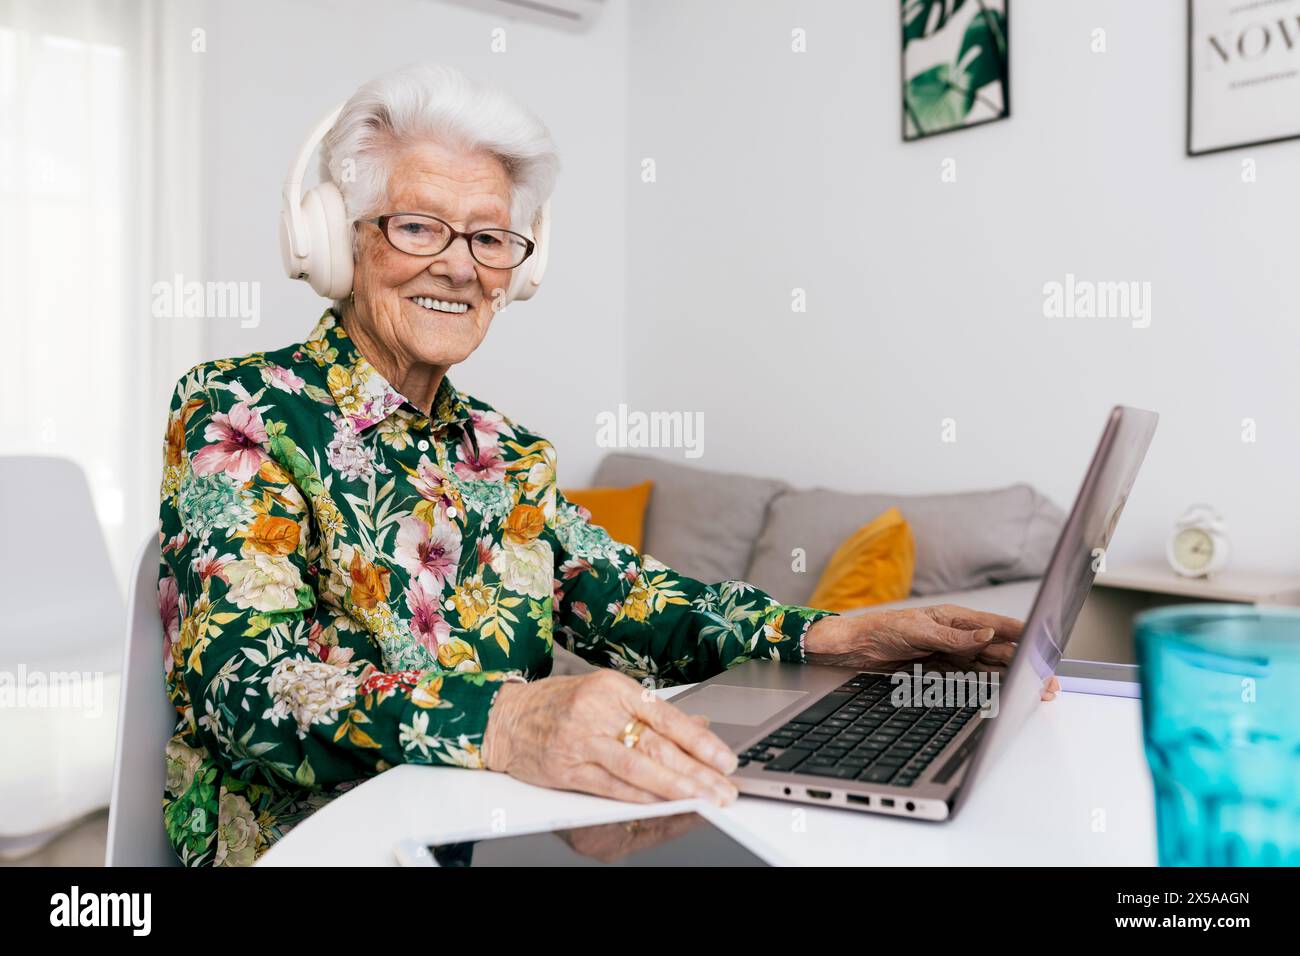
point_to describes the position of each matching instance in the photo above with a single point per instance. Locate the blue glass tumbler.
(1221, 725)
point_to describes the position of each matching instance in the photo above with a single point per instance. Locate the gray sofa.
(983, 549)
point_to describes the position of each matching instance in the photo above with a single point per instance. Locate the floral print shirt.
(346, 582)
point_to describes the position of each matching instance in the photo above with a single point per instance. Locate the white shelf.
(1238, 586)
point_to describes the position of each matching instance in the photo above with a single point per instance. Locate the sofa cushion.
(873, 566)
(702, 523)
(620, 511)
(963, 541)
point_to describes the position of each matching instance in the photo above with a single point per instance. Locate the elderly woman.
(363, 566)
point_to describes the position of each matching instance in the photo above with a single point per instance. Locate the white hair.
(428, 101)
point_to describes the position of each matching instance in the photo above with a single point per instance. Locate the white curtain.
(99, 199)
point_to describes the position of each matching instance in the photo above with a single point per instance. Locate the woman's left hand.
(943, 635)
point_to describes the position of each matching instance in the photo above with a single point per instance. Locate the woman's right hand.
(563, 732)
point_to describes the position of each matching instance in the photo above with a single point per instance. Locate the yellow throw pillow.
(873, 566)
(620, 511)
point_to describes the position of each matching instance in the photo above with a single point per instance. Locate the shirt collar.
(364, 396)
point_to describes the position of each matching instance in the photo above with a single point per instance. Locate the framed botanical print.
(1243, 74)
(955, 65)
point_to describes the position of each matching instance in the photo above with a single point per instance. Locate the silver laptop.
(910, 743)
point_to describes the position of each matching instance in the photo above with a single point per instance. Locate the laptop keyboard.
(856, 733)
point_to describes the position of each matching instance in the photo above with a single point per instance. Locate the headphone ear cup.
(293, 266)
(525, 281)
(515, 287)
(329, 261)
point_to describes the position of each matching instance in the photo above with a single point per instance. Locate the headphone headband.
(292, 191)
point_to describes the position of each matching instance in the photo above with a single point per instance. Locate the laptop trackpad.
(728, 704)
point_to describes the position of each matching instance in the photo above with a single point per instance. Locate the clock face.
(1193, 549)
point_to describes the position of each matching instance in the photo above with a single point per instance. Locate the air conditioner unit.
(575, 16)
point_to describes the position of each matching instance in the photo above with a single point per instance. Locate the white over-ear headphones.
(316, 237)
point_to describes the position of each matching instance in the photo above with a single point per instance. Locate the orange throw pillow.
(873, 566)
(620, 511)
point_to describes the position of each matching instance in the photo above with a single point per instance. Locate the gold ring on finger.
(631, 733)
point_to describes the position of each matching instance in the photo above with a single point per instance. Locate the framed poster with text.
(1243, 73)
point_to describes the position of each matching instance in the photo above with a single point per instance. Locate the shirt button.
(423, 445)
(450, 605)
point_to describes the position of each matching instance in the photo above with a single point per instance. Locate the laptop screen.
(1078, 554)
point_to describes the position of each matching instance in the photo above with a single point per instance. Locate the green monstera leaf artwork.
(954, 65)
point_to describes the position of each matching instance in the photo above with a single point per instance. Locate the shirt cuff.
(448, 714)
(795, 625)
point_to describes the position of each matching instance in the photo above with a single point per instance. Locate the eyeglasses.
(419, 235)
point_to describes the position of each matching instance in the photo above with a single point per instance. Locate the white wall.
(778, 170)
(273, 69)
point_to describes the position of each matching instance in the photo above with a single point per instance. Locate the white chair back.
(62, 622)
(44, 616)
(146, 720)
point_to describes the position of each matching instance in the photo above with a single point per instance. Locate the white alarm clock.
(1199, 543)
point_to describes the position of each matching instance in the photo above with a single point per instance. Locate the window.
(83, 87)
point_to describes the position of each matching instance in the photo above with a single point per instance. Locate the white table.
(1072, 789)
